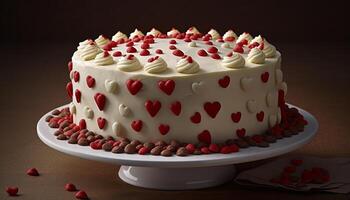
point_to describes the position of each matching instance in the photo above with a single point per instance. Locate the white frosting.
(156, 66)
(187, 66)
(269, 50)
(119, 35)
(225, 45)
(89, 52)
(84, 43)
(154, 32)
(234, 61)
(101, 41)
(229, 34)
(173, 32)
(245, 36)
(129, 63)
(193, 30)
(103, 59)
(136, 33)
(214, 34)
(256, 56)
(257, 39)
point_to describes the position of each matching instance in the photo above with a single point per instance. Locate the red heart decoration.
(76, 76)
(204, 137)
(33, 172)
(163, 129)
(70, 66)
(224, 82)
(260, 116)
(196, 118)
(240, 132)
(236, 117)
(78, 95)
(136, 125)
(69, 88)
(12, 191)
(167, 86)
(101, 122)
(176, 108)
(152, 107)
(212, 108)
(82, 124)
(134, 86)
(81, 195)
(100, 100)
(265, 77)
(90, 81)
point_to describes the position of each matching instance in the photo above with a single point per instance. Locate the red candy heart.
(100, 100)
(145, 46)
(69, 88)
(172, 42)
(204, 137)
(76, 76)
(131, 50)
(12, 191)
(101, 122)
(82, 124)
(236, 117)
(176, 108)
(163, 129)
(130, 44)
(81, 195)
(265, 77)
(202, 52)
(117, 54)
(212, 50)
(167, 86)
(212, 108)
(77, 95)
(238, 49)
(215, 56)
(196, 118)
(70, 66)
(152, 107)
(33, 172)
(178, 52)
(90, 81)
(260, 116)
(159, 51)
(144, 52)
(224, 82)
(133, 86)
(136, 125)
(70, 187)
(240, 132)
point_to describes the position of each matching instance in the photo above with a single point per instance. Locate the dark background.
(39, 37)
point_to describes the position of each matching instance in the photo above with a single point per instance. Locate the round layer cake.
(189, 87)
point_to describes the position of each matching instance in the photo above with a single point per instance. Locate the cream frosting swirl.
(193, 30)
(136, 33)
(101, 41)
(84, 43)
(229, 34)
(104, 59)
(256, 56)
(245, 36)
(192, 44)
(155, 65)
(214, 34)
(154, 32)
(89, 52)
(119, 35)
(187, 66)
(129, 63)
(257, 39)
(225, 45)
(269, 50)
(173, 32)
(234, 61)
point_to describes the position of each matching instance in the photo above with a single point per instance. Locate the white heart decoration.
(272, 120)
(116, 127)
(72, 108)
(252, 107)
(124, 110)
(111, 86)
(88, 112)
(246, 83)
(197, 87)
(271, 99)
(279, 76)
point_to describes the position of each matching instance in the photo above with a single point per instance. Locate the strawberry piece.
(159, 51)
(131, 50)
(178, 52)
(143, 151)
(81, 195)
(117, 54)
(12, 191)
(190, 148)
(202, 52)
(214, 148)
(70, 187)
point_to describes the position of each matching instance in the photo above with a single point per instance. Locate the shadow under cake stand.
(179, 173)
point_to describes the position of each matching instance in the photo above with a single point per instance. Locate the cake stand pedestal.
(179, 173)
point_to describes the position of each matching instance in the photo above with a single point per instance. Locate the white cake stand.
(179, 173)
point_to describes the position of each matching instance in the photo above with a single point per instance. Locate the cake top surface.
(176, 53)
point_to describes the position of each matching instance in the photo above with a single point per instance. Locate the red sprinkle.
(145, 46)
(212, 50)
(202, 52)
(70, 187)
(12, 191)
(117, 54)
(159, 51)
(172, 42)
(131, 50)
(130, 44)
(144, 52)
(172, 47)
(178, 52)
(215, 56)
(81, 195)
(33, 172)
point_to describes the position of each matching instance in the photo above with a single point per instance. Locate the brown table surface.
(33, 78)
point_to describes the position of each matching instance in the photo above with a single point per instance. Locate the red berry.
(205, 150)
(212, 50)
(70, 66)
(178, 53)
(145, 46)
(144, 150)
(209, 43)
(144, 52)
(172, 42)
(159, 51)
(257, 138)
(238, 49)
(12, 191)
(214, 148)
(172, 47)
(187, 40)
(81, 195)
(202, 52)
(70, 187)
(190, 148)
(130, 44)
(131, 50)
(215, 56)
(117, 54)
(33, 172)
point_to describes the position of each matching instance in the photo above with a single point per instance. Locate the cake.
(190, 87)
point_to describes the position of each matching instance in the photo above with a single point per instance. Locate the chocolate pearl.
(64, 124)
(250, 141)
(98, 137)
(107, 146)
(270, 139)
(149, 145)
(67, 129)
(90, 133)
(171, 148)
(58, 132)
(53, 125)
(182, 151)
(73, 140)
(91, 138)
(110, 138)
(125, 140)
(241, 143)
(83, 142)
(83, 131)
(130, 149)
(138, 147)
(123, 144)
(166, 153)
(135, 142)
(156, 150)
(175, 143)
(75, 135)
(263, 144)
(48, 118)
(62, 137)
(118, 149)
(55, 112)
(161, 143)
(197, 152)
